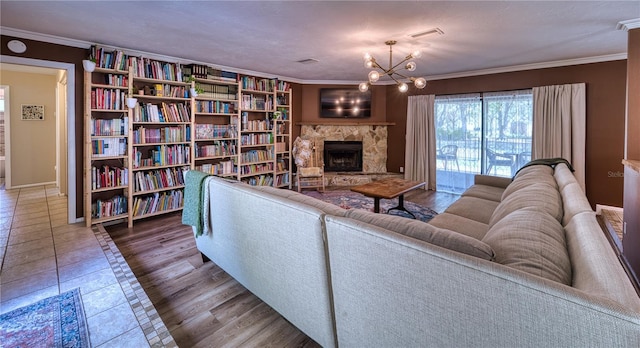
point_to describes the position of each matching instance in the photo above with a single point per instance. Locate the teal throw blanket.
(194, 199)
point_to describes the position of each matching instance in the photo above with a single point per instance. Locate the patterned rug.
(353, 200)
(57, 321)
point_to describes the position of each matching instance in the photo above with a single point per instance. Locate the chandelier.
(392, 70)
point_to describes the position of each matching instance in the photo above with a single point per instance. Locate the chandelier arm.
(401, 62)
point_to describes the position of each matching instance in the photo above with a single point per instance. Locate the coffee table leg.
(376, 205)
(400, 206)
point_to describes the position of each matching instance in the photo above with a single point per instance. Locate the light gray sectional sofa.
(519, 263)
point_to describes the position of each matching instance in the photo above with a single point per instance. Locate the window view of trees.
(486, 133)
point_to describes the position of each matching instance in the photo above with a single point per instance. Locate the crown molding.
(532, 66)
(628, 24)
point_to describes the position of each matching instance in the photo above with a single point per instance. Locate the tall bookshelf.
(106, 159)
(160, 134)
(282, 135)
(216, 124)
(256, 161)
(135, 158)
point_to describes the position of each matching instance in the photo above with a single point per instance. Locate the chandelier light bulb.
(411, 66)
(420, 83)
(403, 87)
(363, 87)
(374, 76)
(416, 54)
(368, 63)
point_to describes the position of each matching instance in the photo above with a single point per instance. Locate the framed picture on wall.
(32, 112)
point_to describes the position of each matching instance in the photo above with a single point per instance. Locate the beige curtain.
(420, 149)
(559, 125)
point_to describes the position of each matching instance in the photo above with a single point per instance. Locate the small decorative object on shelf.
(89, 65)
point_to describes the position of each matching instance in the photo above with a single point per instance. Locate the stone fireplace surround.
(374, 148)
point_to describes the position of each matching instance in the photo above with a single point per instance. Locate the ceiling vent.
(427, 32)
(308, 61)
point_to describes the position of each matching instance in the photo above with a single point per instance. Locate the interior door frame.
(71, 127)
(7, 135)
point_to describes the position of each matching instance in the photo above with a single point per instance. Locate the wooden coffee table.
(388, 189)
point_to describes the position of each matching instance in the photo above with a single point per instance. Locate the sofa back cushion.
(425, 232)
(531, 241)
(538, 196)
(529, 178)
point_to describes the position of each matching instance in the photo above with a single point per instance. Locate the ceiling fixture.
(392, 70)
(427, 32)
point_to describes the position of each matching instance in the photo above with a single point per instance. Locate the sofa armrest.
(492, 180)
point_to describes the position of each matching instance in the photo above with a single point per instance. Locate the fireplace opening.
(343, 156)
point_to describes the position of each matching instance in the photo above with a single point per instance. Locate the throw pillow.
(537, 196)
(531, 241)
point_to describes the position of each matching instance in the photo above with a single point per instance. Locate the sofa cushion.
(527, 180)
(531, 241)
(473, 208)
(327, 208)
(491, 193)
(538, 196)
(460, 224)
(423, 231)
(534, 170)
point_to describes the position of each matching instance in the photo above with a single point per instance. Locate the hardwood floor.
(201, 305)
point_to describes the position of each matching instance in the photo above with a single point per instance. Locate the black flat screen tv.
(344, 103)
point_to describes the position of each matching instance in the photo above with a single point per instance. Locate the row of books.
(257, 84)
(284, 86)
(228, 92)
(253, 102)
(256, 139)
(167, 90)
(113, 206)
(109, 59)
(143, 135)
(206, 72)
(219, 148)
(166, 113)
(256, 156)
(109, 177)
(108, 147)
(162, 155)
(206, 131)
(108, 99)
(261, 180)
(118, 80)
(159, 179)
(220, 168)
(154, 69)
(282, 179)
(109, 127)
(256, 168)
(255, 125)
(217, 107)
(157, 202)
(282, 165)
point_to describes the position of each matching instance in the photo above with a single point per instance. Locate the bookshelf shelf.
(140, 193)
(105, 189)
(160, 212)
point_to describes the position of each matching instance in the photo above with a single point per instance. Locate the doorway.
(66, 131)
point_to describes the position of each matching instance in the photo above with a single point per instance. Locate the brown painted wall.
(633, 95)
(606, 94)
(64, 54)
(311, 105)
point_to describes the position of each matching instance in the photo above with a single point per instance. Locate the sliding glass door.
(486, 133)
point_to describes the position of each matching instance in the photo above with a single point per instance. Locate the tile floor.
(42, 256)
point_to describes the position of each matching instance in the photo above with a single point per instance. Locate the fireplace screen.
(343, 156)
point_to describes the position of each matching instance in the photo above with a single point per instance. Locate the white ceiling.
(271, 36)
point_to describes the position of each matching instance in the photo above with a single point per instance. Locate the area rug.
(57, 321)
(353, 200)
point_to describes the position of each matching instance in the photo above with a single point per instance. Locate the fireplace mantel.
(329, 123)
